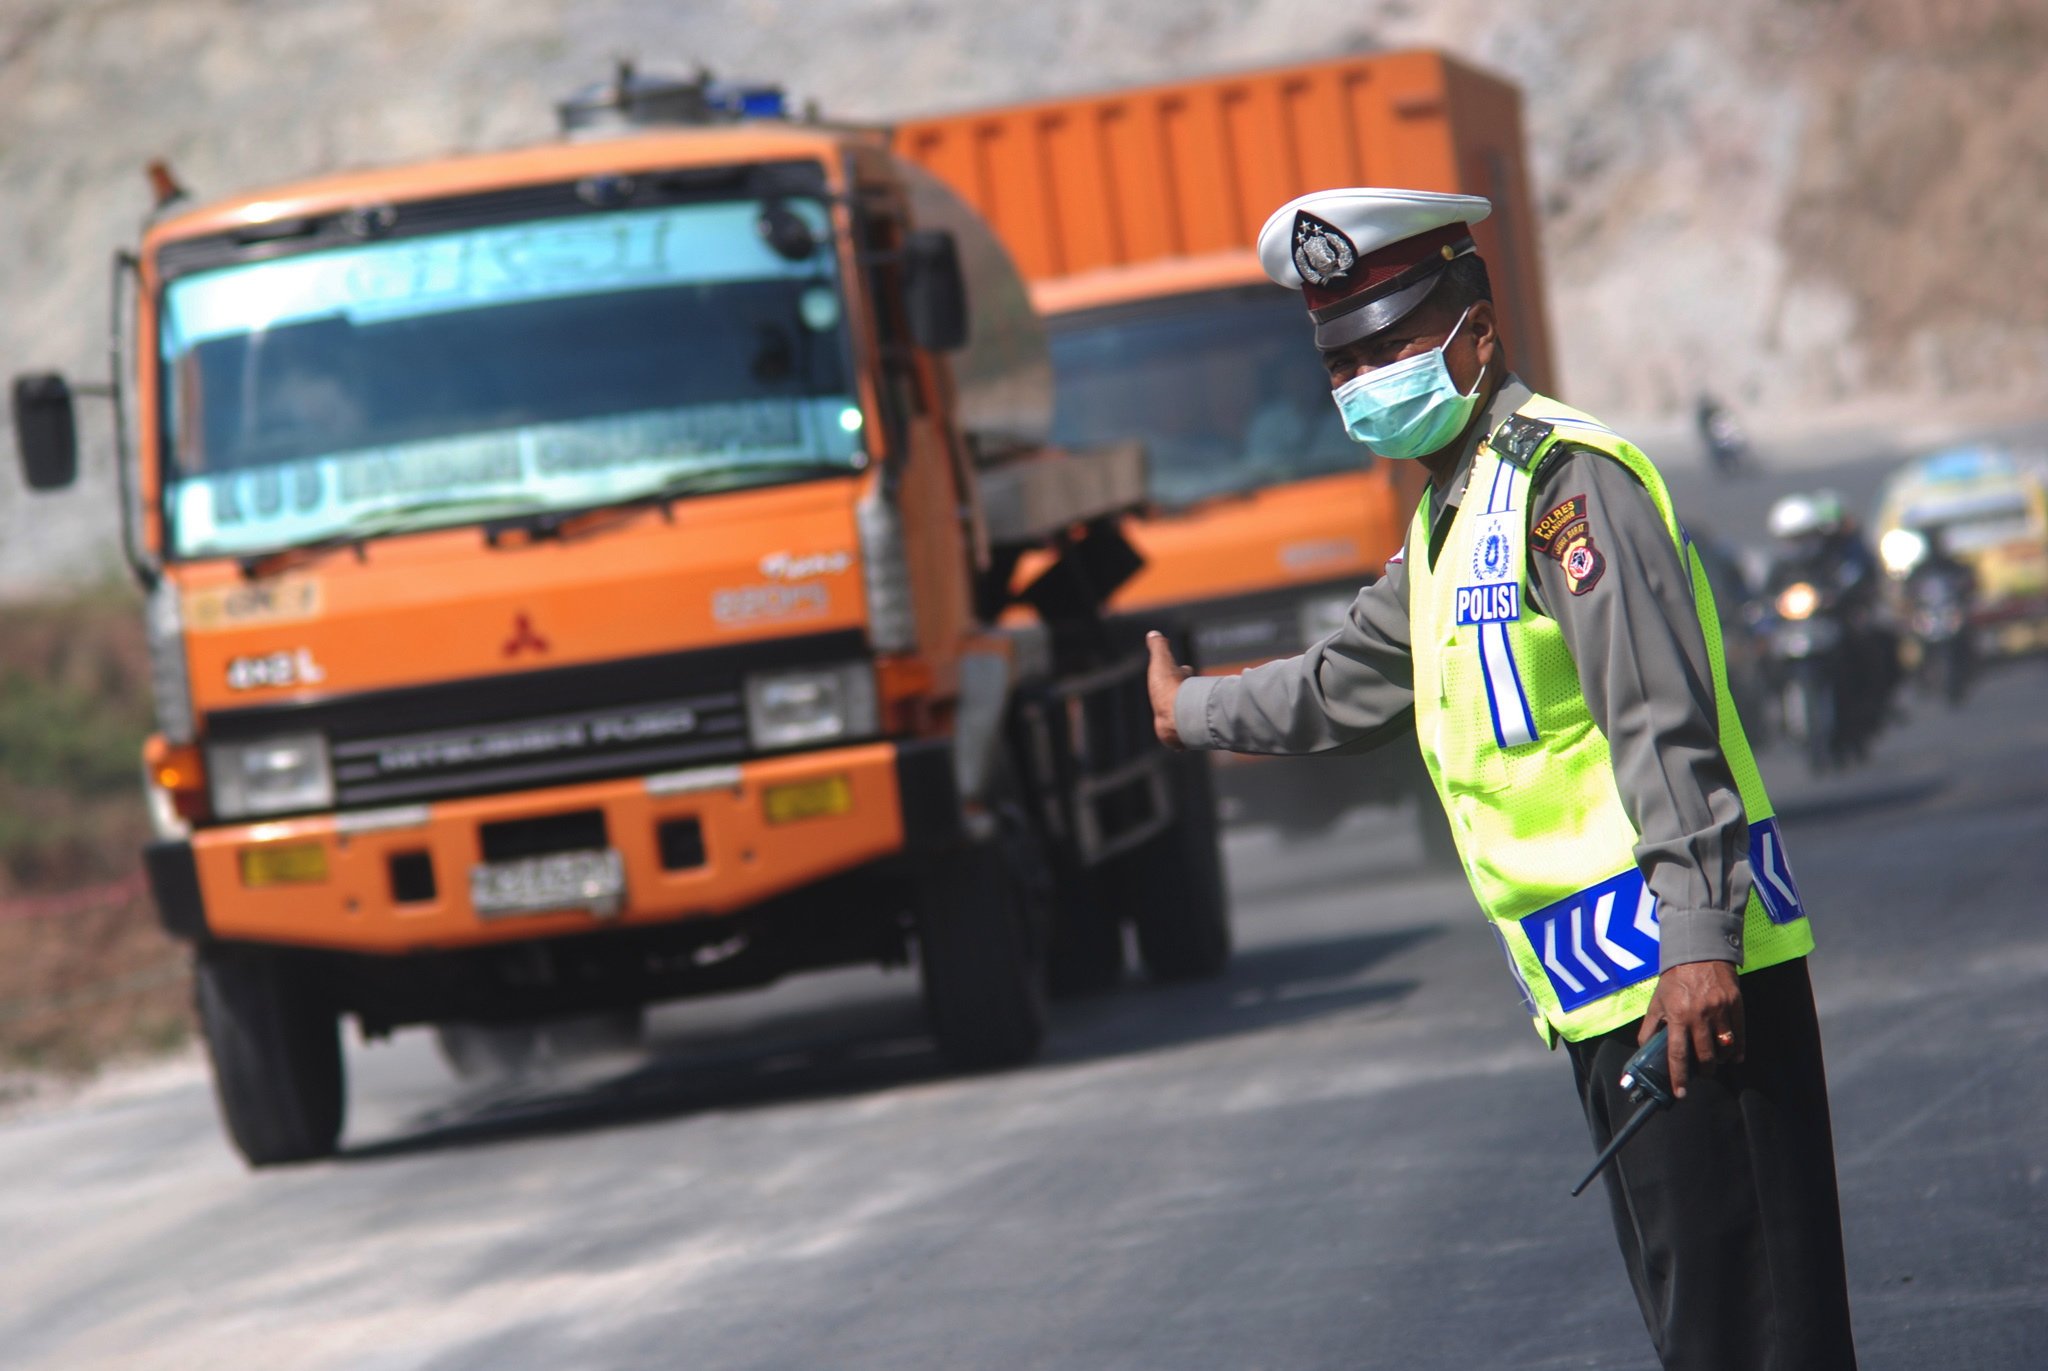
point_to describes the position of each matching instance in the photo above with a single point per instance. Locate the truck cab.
(572, 581)
(1135, 213)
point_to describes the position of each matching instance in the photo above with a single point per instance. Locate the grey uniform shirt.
(1635, 637)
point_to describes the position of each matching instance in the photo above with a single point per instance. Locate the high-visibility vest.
(1524, 773)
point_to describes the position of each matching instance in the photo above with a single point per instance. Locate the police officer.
(1547, 634)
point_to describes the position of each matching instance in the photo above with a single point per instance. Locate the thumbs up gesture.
(1162, 682)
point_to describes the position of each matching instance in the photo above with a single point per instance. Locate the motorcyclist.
(1937, 582)
(1936, 563)
(1719, 433)
(1821, 546)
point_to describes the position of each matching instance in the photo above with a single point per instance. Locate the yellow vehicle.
(574, 581)
(1989, 511)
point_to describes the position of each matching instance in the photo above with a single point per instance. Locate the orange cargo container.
(1134, 214)
(1115, 180)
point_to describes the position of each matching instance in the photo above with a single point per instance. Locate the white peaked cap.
(1364, 256)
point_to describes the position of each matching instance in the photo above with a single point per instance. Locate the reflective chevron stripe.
(1598, 941)
(1770, 874)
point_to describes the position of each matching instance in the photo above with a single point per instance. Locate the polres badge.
(1321, 252)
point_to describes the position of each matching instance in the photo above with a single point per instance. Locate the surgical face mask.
(1408, 408)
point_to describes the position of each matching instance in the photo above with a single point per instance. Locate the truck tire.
(980, 954)
(275, 1042)
(1173, 884)
(1087, 952)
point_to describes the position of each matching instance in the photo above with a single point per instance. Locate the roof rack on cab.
(630, 100)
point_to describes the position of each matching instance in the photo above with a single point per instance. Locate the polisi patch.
(1494, 604)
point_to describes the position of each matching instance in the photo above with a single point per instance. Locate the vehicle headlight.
(1322, 615)
(818, 705)
(278, 775)
(1901, 550)
(1798, 601)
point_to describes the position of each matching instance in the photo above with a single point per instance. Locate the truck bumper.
(692, 844)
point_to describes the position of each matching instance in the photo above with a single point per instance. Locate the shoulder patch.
(1582, 568)
(1557, 530)
(1518, 438)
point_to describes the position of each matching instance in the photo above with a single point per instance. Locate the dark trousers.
(1725, 1204)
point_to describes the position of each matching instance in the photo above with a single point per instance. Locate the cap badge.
(1321, 253)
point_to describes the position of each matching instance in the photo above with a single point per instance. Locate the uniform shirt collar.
(1508, 397)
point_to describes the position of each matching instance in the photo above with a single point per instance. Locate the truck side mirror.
(45, 431)
(935, 293)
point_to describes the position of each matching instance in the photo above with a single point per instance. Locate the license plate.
(591, 881)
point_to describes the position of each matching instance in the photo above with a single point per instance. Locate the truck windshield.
(519, 368)
(1224, 389)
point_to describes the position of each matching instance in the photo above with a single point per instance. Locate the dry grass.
(85, 972)
(99, 980)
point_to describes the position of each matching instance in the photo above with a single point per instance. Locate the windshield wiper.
(389, 521)
(555, 523)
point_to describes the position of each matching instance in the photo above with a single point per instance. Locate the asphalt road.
(1349, 1152)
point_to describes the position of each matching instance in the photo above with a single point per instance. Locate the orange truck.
(1135, 213)
(574, 580)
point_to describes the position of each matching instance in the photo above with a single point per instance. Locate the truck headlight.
(279, 775)
(1322, 615)
(818, 705)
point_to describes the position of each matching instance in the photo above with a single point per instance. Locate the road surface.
(1349, 1152)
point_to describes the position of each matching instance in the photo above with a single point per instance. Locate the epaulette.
(1518, 439)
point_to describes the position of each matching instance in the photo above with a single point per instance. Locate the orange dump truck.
(1135, 213)
(573, 581)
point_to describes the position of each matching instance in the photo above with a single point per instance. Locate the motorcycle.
(1805, 647)
(1727, 445)
(1938, 618)
(1830, 700)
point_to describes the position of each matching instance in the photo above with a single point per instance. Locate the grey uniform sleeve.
(1634, 633)
(1348, 693)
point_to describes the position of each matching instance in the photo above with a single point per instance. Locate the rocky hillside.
(1804, 203)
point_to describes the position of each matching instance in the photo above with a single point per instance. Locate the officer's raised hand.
(1703, 1006)
(1162, 680)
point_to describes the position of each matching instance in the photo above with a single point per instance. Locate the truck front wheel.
(1173, 883)
(275, 1042)
(980, 953)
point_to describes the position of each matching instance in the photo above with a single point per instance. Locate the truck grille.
(537, 728)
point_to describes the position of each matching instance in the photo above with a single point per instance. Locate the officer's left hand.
(1163, 676)
(1702, 1004)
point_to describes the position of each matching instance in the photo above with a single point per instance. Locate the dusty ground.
(1348, 1152)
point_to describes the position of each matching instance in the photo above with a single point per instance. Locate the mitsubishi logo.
(523, 638)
